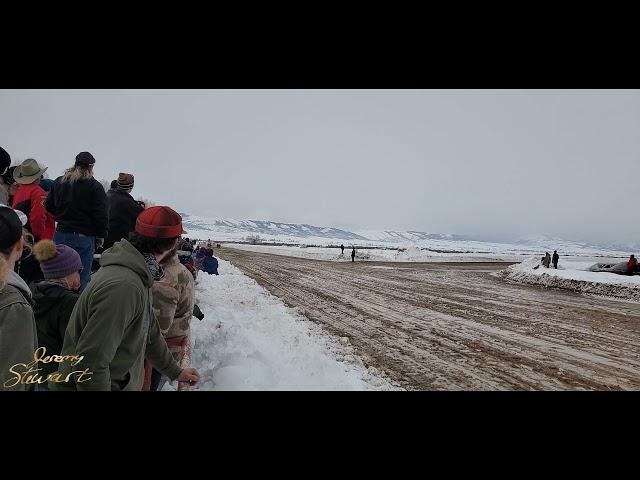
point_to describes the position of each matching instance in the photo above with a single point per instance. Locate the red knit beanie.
(159, 222)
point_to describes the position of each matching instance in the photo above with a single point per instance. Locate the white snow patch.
(572, 274)
(250, 340)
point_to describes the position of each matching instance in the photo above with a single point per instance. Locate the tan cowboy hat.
(28, 171)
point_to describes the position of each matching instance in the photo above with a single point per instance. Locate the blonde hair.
(77, 172)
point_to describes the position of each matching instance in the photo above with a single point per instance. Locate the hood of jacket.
(16, 280)
(126, 255)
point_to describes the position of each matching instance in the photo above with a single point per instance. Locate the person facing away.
(50, 221)
(342, 248)
(29, 199)
(546, 260)
(632, 264)
(123, 210)
(210, 263)
(173, 306)
(353, 255)
(18, 337)
(113, 326)
(556, 257)
(79, 203)
(54, 297)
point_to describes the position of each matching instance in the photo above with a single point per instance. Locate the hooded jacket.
(113, 324)
(18, 339)
(52, 308)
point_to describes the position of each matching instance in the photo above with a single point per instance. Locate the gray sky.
(494, 163)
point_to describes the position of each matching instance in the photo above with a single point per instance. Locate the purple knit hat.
(65, 262)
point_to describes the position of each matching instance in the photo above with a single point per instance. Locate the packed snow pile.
(250, 340)
(575, 275)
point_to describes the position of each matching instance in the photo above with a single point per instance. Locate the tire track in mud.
(455, 326)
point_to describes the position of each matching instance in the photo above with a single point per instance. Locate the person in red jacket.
(29, 199)
(631, 265)
(30, 196)
(50, 221)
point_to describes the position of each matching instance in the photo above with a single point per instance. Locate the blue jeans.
(85, 246)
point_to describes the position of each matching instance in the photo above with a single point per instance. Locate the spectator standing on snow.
(54, 297)
(113, 325)
(173, 306)
(18, 338)
(546, 260)
(556, 257)
(79, 203)
(29, 199)
(353, 255)
(342, 248)
(50, 221)
(30, 196)
(210, 263)
(632, 264)
(199, 258)
(123, 210)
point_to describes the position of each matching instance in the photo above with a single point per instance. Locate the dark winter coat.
(123, 212)
(114, 328)
(631, 265)
(210, 265)
(79, 207)
(52, 308)
(555, 258)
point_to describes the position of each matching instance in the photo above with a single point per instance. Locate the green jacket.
(112, 325)
(18, 339)
(53, 305)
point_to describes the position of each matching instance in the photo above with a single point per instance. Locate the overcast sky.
(494, 163)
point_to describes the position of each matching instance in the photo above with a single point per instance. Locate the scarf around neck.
(156, 270)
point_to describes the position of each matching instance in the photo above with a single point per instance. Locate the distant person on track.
(632, 265)
(555, 259)
(342, 248)
(353, 255)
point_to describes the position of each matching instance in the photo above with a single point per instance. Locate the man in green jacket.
(112, 324)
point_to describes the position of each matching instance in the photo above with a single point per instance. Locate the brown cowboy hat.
(28, 171)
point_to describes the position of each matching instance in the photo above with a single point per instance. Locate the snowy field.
(410, 254)
(250, 340)
(573, 274)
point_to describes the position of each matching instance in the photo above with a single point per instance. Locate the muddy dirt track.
(455, 326)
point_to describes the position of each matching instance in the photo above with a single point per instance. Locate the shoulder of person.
(11, 295)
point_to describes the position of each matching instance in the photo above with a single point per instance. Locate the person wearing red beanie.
(113, 326)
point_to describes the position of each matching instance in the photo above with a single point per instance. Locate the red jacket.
(30, 200)
(631, 264)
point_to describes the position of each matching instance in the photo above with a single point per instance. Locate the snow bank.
(250, 340)
(572, 275)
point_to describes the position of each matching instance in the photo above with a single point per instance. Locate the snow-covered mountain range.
(230, 230)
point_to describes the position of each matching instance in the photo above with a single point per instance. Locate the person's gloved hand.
(197, 312)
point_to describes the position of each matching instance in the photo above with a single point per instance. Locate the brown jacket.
(173, 299)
